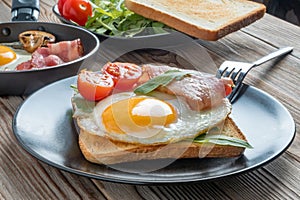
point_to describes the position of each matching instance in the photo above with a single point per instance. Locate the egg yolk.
(7, 55)
(137, 114)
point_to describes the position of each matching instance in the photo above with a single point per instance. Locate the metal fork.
(237, 71)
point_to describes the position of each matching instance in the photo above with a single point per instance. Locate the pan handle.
(25, 10)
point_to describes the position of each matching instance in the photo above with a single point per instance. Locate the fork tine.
(237, 71)
(235, 74)
(239, 82)
(221, 70)
(225, 69)
(234, 94)
(228, 71)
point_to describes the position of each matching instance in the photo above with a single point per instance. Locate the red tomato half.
(125, 75)
(94, 86)
(77, 11)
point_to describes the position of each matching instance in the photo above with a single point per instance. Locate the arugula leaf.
(83, 106)
(111, 17)
(74, 88)
(222, 140)
(161, 80)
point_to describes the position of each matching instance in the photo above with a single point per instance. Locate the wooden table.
(24, 177)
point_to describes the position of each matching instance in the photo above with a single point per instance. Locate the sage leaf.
(222, 140)
(161, 80)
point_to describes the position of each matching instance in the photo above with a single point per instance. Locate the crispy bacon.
(201, 91)
(66, 50)
(54, 54)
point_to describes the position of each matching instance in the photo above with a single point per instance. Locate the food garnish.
(118, 76)
(94, 86)
(125, 75)
(222, 140)
(113, 18)
(161, 80)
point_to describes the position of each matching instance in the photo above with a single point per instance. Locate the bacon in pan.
(54, 54)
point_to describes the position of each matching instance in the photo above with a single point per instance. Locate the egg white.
(22, 56)
(188, 125)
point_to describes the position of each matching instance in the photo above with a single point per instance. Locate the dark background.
(288, 10)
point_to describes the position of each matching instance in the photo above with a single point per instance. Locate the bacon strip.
(201, 91)
(66, 50)
(54, 54)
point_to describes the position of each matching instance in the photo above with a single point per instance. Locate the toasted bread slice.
(206, 19)
(98, 149)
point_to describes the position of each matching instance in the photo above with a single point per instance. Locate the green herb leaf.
(74, 88)
(222, 140)
(83, 106)
(161, 80)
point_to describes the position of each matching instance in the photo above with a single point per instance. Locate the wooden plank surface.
(271, 31)
(24, 177)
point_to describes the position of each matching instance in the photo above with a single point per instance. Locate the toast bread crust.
(208, 20)
(100, 150)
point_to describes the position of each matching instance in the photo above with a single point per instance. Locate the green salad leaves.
(111, 17)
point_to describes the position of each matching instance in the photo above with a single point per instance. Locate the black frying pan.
(26, 82)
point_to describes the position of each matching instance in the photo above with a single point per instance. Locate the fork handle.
(275, 54)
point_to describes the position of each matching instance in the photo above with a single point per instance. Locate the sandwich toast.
(100, 150)
(171, 121)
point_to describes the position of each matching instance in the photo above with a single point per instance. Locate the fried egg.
(150, 120)
(11, 58)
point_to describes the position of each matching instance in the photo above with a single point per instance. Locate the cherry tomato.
(125, 75)
(228, 89)
(77, 11)
(94, 86)
(228, 84)
(60, 5)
